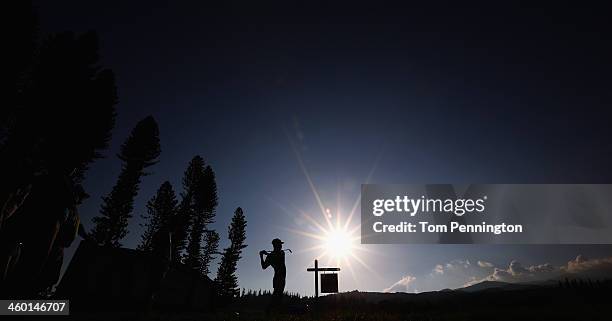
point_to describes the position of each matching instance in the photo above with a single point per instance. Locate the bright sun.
(338, 243)
(337, 240)
(336, 237)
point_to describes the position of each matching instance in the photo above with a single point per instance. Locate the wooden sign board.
(329, 283)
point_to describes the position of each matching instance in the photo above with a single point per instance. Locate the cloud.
(462, 273)
(403, 285)
(516, 273)
(452, 274)
(484, 264)
(595, 268)
(579, 267)
(439, 269)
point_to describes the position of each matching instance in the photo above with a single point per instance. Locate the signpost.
(316, 271)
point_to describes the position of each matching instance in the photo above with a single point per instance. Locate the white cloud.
(547, 267)
(448, 275)
(403, 285)
(484, 264)
(596, 268)
(461, 273)
(439, 269)
(516, 273)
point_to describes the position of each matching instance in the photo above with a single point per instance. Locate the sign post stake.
(316, 274)
(316, 271)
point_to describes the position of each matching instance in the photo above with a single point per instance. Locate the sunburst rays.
(336, 235)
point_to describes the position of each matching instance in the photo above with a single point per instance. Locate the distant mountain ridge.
(484, 286)
(498, 285)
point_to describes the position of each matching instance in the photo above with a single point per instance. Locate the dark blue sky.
(427, 94)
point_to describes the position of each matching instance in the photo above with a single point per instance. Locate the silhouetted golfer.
(276, 259)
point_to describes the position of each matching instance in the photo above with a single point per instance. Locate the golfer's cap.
(275, 241)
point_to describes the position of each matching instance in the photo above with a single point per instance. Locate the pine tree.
(206, 202)
(192, 180)
(211, 245)
(193, 257)
(200, 201)
(181, 226)
(227, 279)
(161, 210)
(61, 103)
(139, 151)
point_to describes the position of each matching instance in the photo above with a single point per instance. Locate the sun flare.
(339, 243)
(336, 240)
(336, 236)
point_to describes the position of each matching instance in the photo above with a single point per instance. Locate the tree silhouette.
(58, 116)
(139, 151)
(211, 245)
(181, 225)
(161, 210)
(200, 202)
(193, 257)
(62, 107)
(193, 174)
(206, 202)
(66, 74)
(226, 279)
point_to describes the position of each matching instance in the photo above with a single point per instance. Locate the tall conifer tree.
(139, 151)
(161, 210)
(226, 279)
